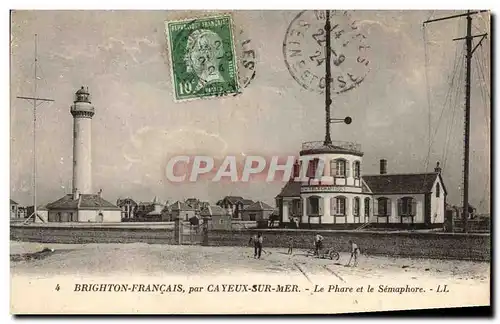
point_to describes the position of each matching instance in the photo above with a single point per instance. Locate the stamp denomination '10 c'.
(304, 51)
(202, 56)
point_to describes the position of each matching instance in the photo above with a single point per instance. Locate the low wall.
(406, 244)
(84, 234)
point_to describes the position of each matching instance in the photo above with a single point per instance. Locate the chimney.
(437, 169)
(296, 170)
(383, 166)
(76, 194)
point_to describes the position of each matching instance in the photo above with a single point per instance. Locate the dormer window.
(438, 190)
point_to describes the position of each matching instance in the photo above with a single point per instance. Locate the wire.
(483, 90)
(454, 106)
(429, 103)
(458, 59)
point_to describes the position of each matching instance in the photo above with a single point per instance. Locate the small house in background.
(181, 210)
(234, 205)
(196, 203)
(155, 214)
(43, 212)
(86, 208)
(22, 212)
(220, 219)
(165, 214)
(14, 209)
(258, 211)
(128, 207)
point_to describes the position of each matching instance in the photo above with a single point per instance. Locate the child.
(354, 253)
(290, 246)
(318, 244)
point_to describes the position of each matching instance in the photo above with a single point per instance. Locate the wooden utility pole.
(328, 76)
(36, 101)
(469, 51)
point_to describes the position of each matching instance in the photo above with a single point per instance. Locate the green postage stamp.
(202, 57)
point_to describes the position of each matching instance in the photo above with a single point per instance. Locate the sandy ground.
(156, 259)
(34, 283)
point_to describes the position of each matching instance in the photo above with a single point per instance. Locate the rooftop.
(213, 210)
(410, 183)
(291, 189)
(317, 147)
(85, 201)
(258, 206)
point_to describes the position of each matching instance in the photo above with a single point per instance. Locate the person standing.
(258, 246)
(290, 246)
(318, 244)
(355, 252)
(253, 240)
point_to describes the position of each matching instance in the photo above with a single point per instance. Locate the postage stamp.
(266, 191)
(202, 56)
(304, 51)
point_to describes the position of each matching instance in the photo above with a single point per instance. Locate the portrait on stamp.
(203, 61)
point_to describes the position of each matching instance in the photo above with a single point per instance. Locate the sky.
(122, 56)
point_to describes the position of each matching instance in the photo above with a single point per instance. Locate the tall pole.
(328, 100)
(36, 101)
(468, 59)
(34, 130)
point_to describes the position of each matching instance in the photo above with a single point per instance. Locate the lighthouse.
(82, 111)
(83, 204)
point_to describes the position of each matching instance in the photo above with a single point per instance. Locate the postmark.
(304, 51)
(247, 60)
(202, 56)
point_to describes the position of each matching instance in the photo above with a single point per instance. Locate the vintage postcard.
(249, 162)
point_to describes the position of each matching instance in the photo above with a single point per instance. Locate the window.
(340, 168)
(357, 169)
(438, 190)
(221, 221)
(355, 206)
(313, 206)
(384, 206)
(338, 206)
(313, 167)
(253, 216)
(367, 207)
(406, 206)
(295, 207)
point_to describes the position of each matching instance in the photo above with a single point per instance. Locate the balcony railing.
(314, 145)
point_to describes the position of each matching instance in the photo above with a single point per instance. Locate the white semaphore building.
(83, 204)
(338, 195)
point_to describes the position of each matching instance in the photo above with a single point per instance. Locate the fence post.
(204, 241)
(178, 230)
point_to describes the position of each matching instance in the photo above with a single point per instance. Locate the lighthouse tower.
(82, 111)
(83, 205)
